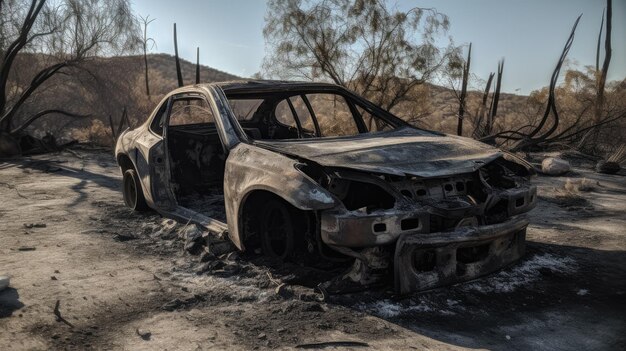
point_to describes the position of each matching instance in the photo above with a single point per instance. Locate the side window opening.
(190, 110)
(245, 109)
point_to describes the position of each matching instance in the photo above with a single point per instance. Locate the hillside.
(103, 87)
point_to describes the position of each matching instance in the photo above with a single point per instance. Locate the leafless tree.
(145, 21)
(549, 129)
(59, 36)
(462, 97)
(365, 45)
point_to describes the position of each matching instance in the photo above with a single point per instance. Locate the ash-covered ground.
(125, 281)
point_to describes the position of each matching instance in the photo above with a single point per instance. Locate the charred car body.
(313, 169)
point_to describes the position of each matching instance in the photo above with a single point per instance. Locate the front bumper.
(354, 229)
(426, 261)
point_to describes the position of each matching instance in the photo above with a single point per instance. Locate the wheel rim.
(130, 190)
(277, 230)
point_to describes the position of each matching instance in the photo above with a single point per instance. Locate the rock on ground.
(555, 166)
(608, 167)
(4, 282)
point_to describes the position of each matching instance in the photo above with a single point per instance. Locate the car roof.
(259, 86)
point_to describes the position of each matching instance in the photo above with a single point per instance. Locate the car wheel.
(133, 193)
(277, 230)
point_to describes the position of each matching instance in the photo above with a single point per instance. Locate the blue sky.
(529, 34)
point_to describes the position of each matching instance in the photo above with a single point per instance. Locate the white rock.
(554, 166)
(4, 282)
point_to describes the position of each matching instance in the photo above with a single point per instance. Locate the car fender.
(250, 168)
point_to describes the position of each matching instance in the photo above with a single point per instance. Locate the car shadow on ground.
(556, 297)
(59, 168)
(9, 302)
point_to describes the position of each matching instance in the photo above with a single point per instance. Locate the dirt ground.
(123, 280)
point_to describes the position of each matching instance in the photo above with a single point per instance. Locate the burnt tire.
(133, 193)
(277, 230)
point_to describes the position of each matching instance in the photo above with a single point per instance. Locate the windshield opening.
(307, 115)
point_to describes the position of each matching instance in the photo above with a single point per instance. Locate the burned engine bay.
(428, 232)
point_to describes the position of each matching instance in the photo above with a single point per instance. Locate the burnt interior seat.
(197, 159)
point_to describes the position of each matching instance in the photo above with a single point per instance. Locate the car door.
(151, 161)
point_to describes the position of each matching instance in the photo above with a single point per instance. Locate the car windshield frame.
(353, 101)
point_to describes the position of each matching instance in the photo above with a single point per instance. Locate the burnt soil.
(124, 281)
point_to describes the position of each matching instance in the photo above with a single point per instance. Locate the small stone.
(4, 282)
(281, 329)
(124, 237)
(233, 256)
(508, 337)
(192, 232)
(144, 334)
(283, 291)
(193, 247)
(56, 271)
(608, 167)
(262, 336)
(209, 266)
(53, 278)
(207, 256)
(172, 305)
(221, 247)
(26, 248)
(316, 307)
(231, 268)
(34, 225)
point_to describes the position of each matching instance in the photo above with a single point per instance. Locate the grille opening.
(406, 193)
(448, 187)
(421, 192)
(460, 186)
(409, 223)
(380, 227)
(424, 261)
(472, 254)
(519, 202)
(367, 195)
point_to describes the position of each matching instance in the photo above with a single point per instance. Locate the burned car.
(295, 169)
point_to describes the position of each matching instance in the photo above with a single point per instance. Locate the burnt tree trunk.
(466, 68)
(478, 131)
(197, 65)
(493, 110)
(179, 73)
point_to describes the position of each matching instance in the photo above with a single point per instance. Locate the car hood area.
(402, 152)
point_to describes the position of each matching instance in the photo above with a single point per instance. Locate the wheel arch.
(253, 200)
(124, 161)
